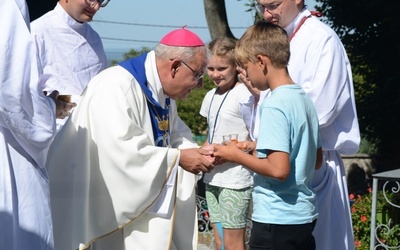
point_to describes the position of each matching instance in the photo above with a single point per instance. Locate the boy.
(284, 203)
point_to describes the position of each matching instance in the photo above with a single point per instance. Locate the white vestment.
(69, 53)
(106, 171)
(319, 63)
(27, 127)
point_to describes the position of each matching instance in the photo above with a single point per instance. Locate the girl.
(229, 185)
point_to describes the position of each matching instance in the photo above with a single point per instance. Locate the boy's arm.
(276, 165)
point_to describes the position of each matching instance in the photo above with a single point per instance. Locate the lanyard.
(313, 13)
(210, 137)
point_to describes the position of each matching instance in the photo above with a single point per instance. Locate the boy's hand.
(224, 153)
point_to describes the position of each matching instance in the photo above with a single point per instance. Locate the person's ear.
(263, 62)
(175, 67)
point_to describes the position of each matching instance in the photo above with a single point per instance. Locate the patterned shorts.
(228, 206)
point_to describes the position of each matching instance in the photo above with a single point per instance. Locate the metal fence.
(389, 183)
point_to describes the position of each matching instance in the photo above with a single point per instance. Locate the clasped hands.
(204, 159)
(229, 152)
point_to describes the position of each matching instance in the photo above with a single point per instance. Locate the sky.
(127, 24)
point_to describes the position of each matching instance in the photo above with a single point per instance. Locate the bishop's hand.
(196, 160)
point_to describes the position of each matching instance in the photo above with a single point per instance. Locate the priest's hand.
(196, 160)
(63, 108)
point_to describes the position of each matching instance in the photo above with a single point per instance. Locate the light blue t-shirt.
(288, 123)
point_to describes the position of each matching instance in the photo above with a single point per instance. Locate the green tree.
(368, 30)
(131, 53)
(189, 109)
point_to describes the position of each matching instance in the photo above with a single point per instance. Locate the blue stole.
(159, 116)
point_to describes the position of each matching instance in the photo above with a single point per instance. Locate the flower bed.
(388, 229)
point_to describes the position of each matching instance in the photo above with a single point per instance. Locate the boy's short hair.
(266, 39)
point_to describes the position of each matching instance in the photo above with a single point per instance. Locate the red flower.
(351, 196)
(357, 243)
(364, 218)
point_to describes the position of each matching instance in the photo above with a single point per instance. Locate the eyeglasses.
(268, 7)
(94, 3)
(197, 74)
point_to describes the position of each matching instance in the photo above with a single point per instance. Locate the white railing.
(391, 185)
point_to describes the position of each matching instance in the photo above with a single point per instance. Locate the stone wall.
(365, 161)
(359, 169)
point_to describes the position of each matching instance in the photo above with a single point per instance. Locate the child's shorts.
(228, 206)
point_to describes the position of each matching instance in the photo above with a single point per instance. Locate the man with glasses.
(319, 63)
(197, 75)
(69, 51)
(124, 167)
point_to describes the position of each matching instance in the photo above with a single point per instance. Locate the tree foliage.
(131, 53)
(368, 30)
(189, 109)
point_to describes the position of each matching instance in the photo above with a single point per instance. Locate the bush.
(387, 232)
